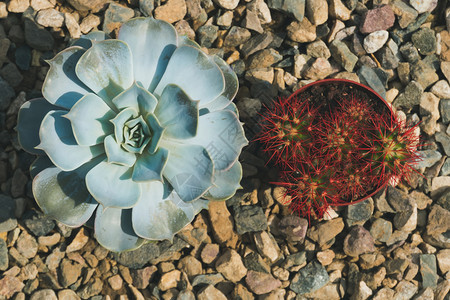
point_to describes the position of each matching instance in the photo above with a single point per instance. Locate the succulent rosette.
(136, 134)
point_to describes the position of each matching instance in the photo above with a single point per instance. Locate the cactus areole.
(336, 142)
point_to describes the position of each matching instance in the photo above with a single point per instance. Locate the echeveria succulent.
(137, 133)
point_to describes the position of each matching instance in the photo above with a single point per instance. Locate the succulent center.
(136, 135)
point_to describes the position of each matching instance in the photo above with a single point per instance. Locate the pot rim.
(368, 89)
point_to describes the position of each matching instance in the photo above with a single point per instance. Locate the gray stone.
(428, 270)
(410, 97)
(212, 279)
(249, 218)
(424, 73)
(445, 169)
(84, 5)
(4, 260)
(7, 218)
(256, 43)
(359, 213)
(92, 288)
(138, 258)
(293, 227)
(369, 77)
(207, 34)
(255, 262)
(236, 36)
(444, 200)
(409, 52)
(358, 241)
(387, 58)
(342, 54)
(396, 266)
(399, 200)
(23, 57)
(294, 260)
(6, 95)
(310, 278)
(38, 223)
(146, 7)
(381, 230)
(115, 15)
(444, 140)
(11, 74)
(295, 8)
(50, 18)
(428, 158)
(424, 40)
(37, 37)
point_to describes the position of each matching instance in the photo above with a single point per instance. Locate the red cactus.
(337, 156)
(286, 131)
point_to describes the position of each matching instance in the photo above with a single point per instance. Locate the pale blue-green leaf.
(58, 142)
(194, 72)
(183, 40)
(86, 41)
(221, 133)
(138, 98)
(232, 107)
(231, 87)
(41, 163)
(158, 218)
(90, 120)
(191, 209)
(152, 43)
(189, 169)
(29, 120)
(149, 166)
(116, 154)
(157, 132)
(62, 87)
(106, 68)
(114, 231)
(177, 113)
(112, 186)
(225, 183)
(120, 120)
(63, 196)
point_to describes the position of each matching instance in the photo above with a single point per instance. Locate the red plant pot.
(380, 106)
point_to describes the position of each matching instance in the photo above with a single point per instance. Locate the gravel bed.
(395, 245)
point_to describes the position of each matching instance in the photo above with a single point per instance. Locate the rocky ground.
(395, 245)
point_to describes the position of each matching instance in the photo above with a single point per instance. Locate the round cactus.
(337, 152)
